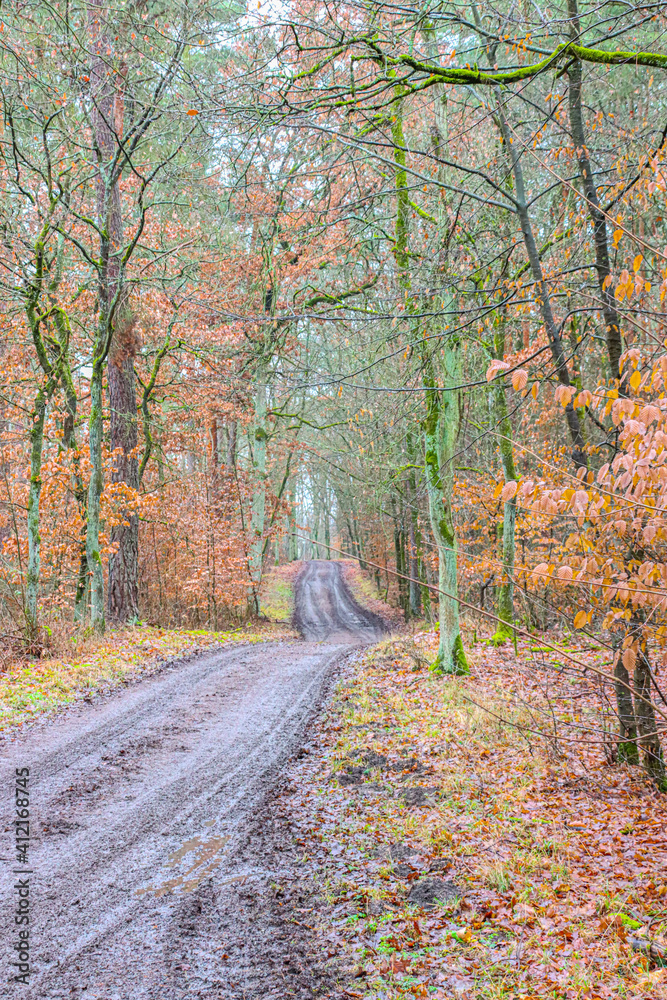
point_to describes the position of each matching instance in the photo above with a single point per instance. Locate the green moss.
(627, 752)
(456, 664)
(503, 634)
(455, 75)
(459, 658)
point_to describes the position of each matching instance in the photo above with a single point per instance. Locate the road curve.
(325, 608)
(141, 804)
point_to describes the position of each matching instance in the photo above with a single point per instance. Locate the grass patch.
(277, 593)
(364, 590)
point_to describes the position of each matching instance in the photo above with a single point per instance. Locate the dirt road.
(325, 608)
(153, 847)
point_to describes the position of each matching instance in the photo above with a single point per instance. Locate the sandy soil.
(156, 848)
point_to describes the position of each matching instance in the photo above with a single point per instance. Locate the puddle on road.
(207, 856)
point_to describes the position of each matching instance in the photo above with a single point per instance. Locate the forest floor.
(550, 864)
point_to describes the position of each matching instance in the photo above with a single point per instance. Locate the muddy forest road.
(151, 826)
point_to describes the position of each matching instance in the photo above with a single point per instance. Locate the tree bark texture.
(503, 428)
(93, 555)
(414, 535)
(647, 730)
(123, 591)
(34, 492)
(114, 325)
(627, 726)
(79, 490)
(441, 430)
(256, 553)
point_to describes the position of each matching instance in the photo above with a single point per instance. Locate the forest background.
(360, 279)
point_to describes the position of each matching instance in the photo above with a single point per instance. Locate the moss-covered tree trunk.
(441, 431)
(503, 429)
(34, 492)
(52, 371)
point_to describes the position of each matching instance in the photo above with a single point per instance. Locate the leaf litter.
(554, 859)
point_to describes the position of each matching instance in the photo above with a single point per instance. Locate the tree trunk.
(230, 458)
(255, 557)
(95, 487)
(292, 545)
(405, 569)
(414, 539)
(70, 442)
(327, 524)
(114, 323)
(398, 558)
(214, 446)
(597, 217)
(647, 729)
(123, 596)
(505, 592)
(34, 540)
(627, 726)
(415, 588)
(553, 334)
(441, 429)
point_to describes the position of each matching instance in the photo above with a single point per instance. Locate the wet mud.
(162, 866)
(325, 609)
